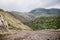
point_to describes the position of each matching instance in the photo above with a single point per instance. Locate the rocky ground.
(32, 35)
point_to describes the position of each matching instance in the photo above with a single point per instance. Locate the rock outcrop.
(3, 24)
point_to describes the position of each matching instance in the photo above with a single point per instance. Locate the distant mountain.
(39, 11)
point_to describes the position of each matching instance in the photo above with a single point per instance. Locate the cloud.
(27, 5)
(48, 3)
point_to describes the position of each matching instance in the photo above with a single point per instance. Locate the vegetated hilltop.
(13, 22)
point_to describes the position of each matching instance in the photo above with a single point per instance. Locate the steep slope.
(23, 16)
(13, 22)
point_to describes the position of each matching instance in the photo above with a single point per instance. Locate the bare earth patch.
(32, 35)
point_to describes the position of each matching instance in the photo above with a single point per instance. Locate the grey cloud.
(27, 5)
(48, 3)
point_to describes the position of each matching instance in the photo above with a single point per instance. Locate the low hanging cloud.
(27, 5)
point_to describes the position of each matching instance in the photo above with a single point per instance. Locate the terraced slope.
(13, 22)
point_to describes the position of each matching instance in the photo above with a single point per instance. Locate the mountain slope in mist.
(39, 11)
(23, 16)
(13, 22)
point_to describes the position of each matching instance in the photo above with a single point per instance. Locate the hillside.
(25, 17)
(13, 23)
(46, 22)
(40, 18)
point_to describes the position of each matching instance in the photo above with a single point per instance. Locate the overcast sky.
(27, 5)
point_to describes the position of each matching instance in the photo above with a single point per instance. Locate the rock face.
(3, 24)
(32, 35)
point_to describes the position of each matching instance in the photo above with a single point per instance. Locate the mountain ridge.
(47, 11)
